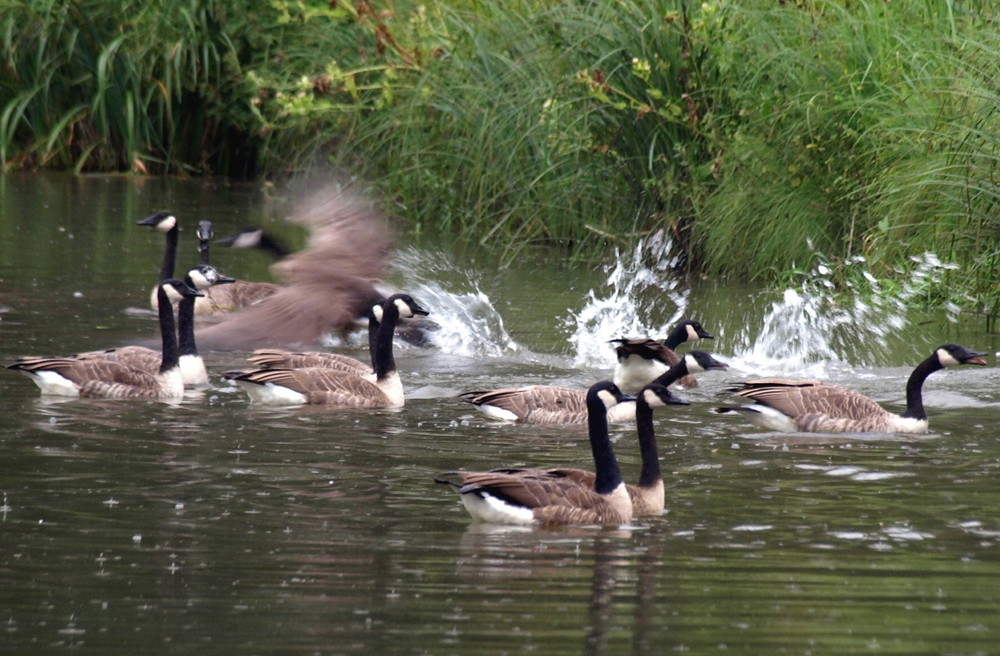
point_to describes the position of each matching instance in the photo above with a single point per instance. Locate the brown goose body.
(555, 496)
(326, 286)
(556, 406)
(816, 407)
(238, 295)
(281, 359)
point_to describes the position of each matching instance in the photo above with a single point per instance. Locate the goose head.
(953, 354)
(404, 304)
(162, 221)
(205, 232)
(249, 237)
(702, 361)
(204, 276)
(607, 393)
(657, 396)
(688, 330)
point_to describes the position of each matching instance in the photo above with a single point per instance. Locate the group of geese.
(641, 383)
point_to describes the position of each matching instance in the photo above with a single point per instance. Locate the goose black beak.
(222, 280)
(975, 358)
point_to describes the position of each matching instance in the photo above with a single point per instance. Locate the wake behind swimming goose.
(811, 406)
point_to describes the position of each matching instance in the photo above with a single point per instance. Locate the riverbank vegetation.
(757, 134)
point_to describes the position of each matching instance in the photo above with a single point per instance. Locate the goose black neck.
(275, 248)
(673, 374)
(605, 464)
(185, 323)
(676, 337)
(168, 329)
(169, 254)
(382, 360)
(915, 387)
(650, 474)
(373, 326)
(203, 251)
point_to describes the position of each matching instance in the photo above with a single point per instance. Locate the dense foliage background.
(757, 134)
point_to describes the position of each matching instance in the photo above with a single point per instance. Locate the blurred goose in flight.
(322, 385)
(546, 404)
(554, 496)
(327, 285)
(256, 238)
(95, 378)
(811, 406)
(141, 358)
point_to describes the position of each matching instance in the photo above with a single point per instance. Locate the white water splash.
(816, 325)
(642, 298)
(468, 323)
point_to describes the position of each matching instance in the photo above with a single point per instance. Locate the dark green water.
(213, 526)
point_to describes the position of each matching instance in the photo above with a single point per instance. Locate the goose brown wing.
(323, 386)
(798, 398)
(327, 284)
(133, 357)
(650, 349)
(98, 378)
(234, 296)
(535, 404)
(530, 488)
(277, 358)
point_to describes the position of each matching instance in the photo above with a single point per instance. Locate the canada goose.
(239, 294)
(554, 496)
(92, 378)
(815, 407)
(319, 385)
(254, 237)
(141, 358)
(642, 360)
(648, 496)
(547, 404)
(326, 286)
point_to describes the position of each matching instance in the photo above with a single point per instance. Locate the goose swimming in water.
(549, 405)
(811, 406)
(322, 385)
(554, 496)
(94, 378)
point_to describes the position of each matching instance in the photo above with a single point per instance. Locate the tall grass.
(128, 85)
